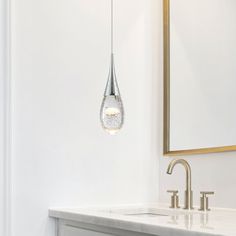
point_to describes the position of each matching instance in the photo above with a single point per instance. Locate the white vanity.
(143, 221)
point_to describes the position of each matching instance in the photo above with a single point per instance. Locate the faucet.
(188, 193)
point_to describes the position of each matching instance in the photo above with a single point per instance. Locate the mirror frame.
(166, 131)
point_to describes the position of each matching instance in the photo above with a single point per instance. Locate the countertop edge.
(124, 224)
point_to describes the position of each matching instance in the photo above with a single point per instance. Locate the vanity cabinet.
(74, 228)
(66, 230)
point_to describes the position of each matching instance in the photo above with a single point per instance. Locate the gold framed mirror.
(198, 94)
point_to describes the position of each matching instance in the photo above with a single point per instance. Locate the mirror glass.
(200, 75)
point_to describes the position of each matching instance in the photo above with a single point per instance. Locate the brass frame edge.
(200, 151)
(166, 102)
(166, 71)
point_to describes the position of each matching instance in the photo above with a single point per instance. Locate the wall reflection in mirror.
(199, 76)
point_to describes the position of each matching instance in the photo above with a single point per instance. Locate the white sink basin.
(149, 212)
(145, 214)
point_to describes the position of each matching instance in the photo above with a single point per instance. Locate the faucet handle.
(204, 202)
(172, 191)
(174, 198)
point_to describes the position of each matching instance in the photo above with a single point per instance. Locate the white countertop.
(178, 222)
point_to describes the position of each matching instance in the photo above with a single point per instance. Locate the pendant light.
(112, 111)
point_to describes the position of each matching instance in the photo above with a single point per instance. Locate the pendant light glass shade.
(112, 111)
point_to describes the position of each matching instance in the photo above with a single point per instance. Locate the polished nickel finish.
(204, 202)
(112, 88)
(174, 199)
(188, 204)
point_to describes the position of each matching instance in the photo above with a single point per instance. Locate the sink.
(148, 212)
(145, 214)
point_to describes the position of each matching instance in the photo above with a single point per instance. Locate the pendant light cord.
(112, 22)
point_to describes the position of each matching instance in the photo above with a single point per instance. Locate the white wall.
(2, 75)
(61, 156)
(3, 116)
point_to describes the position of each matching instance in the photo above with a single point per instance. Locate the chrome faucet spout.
(188, 193)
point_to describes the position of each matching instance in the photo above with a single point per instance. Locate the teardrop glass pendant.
(112, 111)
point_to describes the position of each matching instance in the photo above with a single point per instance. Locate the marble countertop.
(168, 222)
